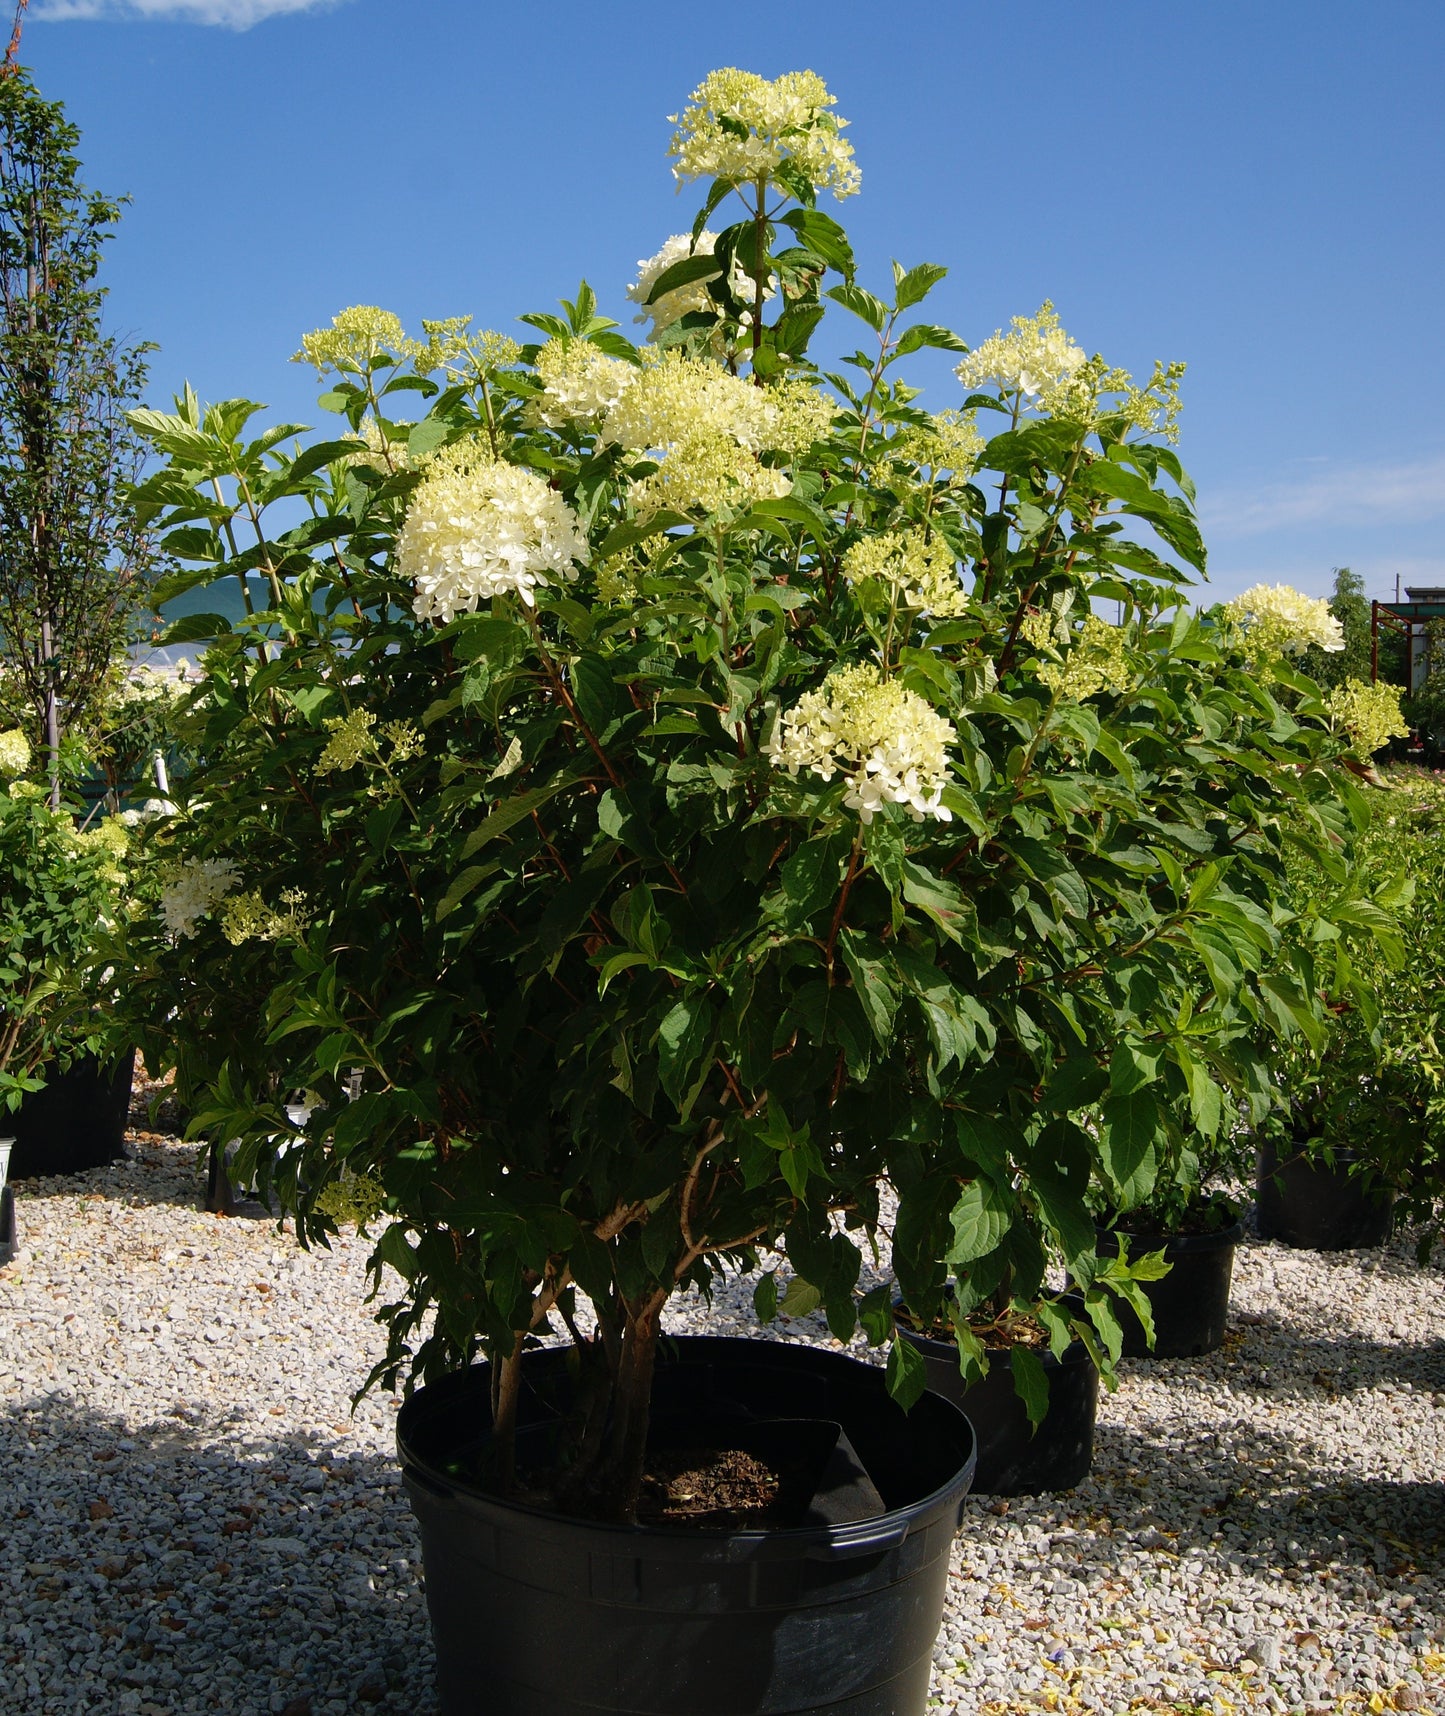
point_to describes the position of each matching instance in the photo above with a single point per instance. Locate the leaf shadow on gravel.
(1267, 1504)
(195, 1565)
(1280, 1357)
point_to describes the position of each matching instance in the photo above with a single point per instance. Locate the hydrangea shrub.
(697, 794)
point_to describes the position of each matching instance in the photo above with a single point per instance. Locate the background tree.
(73, 562)
(1351, 608)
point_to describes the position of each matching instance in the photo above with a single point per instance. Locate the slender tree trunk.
(52, 711)
(632, 1412)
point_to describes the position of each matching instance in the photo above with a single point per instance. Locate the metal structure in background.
(1409, 618)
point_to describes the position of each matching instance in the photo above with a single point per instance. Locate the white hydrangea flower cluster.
(1370, 714)
(1097, 658)
(579, 382)
(1278, 620)
(1036, 357)
(193, 893)
(14, 754)
(949, 441)
(681, 301)
(354, 338)
(705, 428)
(248, 917)
(888, 743)
(147, 684)
(921, 570)
(783, 120)
(451, 346)
(477, 529)
(109, 842)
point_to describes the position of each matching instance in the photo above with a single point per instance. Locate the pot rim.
(855, 1538)
(1178, 1243)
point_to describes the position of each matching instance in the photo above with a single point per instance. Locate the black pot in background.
(1190, 1303)
(77, 1122)
(1307, 1204)
(1013, 1460)
(9, 1236)
(532, 1612)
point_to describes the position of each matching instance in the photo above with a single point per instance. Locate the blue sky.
(1254, 186)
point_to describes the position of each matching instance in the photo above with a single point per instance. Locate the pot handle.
(884, 1536)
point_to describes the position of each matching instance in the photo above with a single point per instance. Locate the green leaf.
(510, 812)
(914, 286)
(196, 628)
(874, 982)
(907, 1374)
(1031, 1383)
(1063, 1207)
(598, 697)
(765, 1297)
(462, 885)
(1111, 1332)
(697, 267)
(980, 1219)
(861, 303)
(1133, 1066)
(1135, 1296)
(810, 879)
(684, 1041)
(801, 1299)
(928, 334)
(823, 236)
(1206, 1101)
(875, 1314)
(1128, 1125)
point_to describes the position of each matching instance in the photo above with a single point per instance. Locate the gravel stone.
(197, 1522)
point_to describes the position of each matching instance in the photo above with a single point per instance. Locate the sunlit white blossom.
(579, 382)
(1034, 357)
(14, 754)
(706, 428)
(738, 125)
(888, 743)
(1278, 620)
(194, 892)
(477, 529)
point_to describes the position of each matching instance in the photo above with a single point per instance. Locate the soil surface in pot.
(999, 1336)
(725, 1489)
(771, 1475)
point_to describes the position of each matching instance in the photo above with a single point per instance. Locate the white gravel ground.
(193, 1521)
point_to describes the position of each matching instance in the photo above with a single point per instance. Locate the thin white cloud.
(1407, 493)
(229, 14)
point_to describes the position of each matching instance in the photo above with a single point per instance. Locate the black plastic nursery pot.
(1013, 1459)
(76, 1122)
(535, 1613)
(1307, 1204)
(9, 1235)
(1191, 1303)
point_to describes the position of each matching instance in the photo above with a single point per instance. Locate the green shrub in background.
(58, 888)
(1377, 1084)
